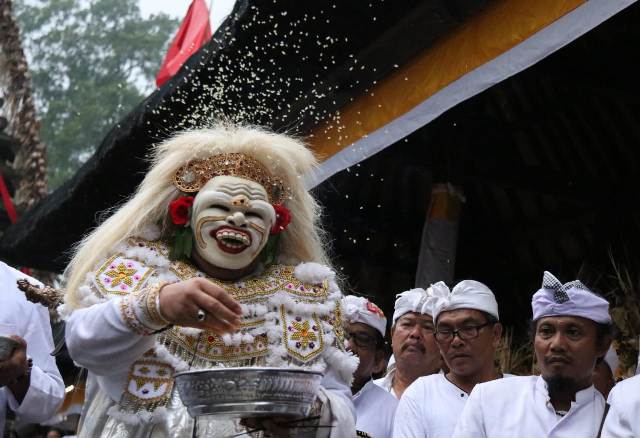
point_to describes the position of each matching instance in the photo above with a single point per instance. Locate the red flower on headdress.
(283, 219)
(374, 309)
(179, 210)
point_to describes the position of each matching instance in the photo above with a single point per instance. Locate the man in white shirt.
(365, 325)
(571, 329)
(468, 333)
(30, 381)
(414, 348)
(623, 419)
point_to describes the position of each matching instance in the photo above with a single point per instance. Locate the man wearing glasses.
(365, 325)
(414, 348)
(571, 329)
(467, 333)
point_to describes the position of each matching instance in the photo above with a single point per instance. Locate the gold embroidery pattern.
(335, 321)
(211, 347)
(130, 318)
(184, 271)
(149, 384)
(275, 278)
(190, 177)
(302, 337)
(121, 276)
(303, 333)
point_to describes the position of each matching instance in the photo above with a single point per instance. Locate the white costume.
(623, 419)
(375, 410)
(31, 322)
(290, 318)
(214, 199)
(520, 407)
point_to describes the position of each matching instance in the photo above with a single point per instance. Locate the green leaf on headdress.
(270, 251)
(182, 244)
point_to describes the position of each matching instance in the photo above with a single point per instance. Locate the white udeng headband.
(468, 294)
(359, 309)
(413, 300)
(569, 299)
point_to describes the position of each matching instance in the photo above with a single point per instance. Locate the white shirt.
(429, 408)
(31, 322)
(375, 409)
(623, 420)
(520, 407)
(386, 382)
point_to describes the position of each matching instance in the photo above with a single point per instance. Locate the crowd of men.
(444, 378)
(441, 380)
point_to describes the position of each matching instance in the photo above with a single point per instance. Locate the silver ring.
(201, 315)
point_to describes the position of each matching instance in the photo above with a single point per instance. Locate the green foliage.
(182, 243)
(88, 60)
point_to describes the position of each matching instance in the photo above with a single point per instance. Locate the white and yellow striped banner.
(506, 38)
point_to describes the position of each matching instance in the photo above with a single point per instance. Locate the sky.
(178, 9)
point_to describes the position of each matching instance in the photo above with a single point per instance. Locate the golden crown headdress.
(191, 177)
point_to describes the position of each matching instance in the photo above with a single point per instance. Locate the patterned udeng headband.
(191, 177)
(569, 299)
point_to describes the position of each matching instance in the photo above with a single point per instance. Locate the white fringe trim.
(313, 273)
(273, 329)
(166, 276)
(253, 310)
(345, 363)
(191, 331)
(277, 357)
(151, 233)
(63, 312)
(301, 308)
(147, 256)
(163, 354)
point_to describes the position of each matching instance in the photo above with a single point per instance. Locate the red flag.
(194, 31)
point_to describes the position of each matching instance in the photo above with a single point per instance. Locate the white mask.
(231, 220)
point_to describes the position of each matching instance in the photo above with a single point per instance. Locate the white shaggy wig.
(284, 156)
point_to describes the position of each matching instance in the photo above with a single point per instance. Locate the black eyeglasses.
(361, 340)
(464, 333)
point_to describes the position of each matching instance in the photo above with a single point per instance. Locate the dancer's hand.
(181, 302)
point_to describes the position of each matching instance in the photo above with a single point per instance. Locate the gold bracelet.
(153, 304)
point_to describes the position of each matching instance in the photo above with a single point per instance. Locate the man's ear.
(497, 334)
(603, 347)
(380, 362)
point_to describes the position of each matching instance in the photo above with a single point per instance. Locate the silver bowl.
(248, 392)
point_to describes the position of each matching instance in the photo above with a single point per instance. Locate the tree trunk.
(30, 161)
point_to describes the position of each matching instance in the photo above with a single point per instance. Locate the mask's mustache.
(201, 223)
